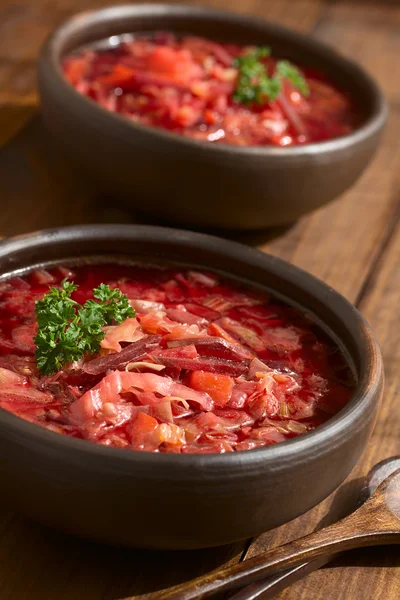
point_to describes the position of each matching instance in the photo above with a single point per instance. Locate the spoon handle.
(262, 590)
(370, 525)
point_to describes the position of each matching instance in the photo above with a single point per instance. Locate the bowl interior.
(88, 27)
(152, 245)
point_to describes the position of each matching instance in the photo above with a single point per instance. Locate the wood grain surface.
(374, 523)
(353, 244)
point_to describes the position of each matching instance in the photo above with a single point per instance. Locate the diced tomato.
(219, 387)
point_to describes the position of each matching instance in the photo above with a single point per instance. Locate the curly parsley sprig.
(254, 84)
(67, 330)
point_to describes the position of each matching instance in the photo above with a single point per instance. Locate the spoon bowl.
(269, 588)
(376, 522)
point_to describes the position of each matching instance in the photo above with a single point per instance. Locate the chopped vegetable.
(219, 387)
(210, 91)
(205, 366)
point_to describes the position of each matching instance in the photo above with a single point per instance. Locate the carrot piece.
(143, 423)
(219, 387)
(118, 76)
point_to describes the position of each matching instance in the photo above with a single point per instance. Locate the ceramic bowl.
(196, 183)
(175, 501)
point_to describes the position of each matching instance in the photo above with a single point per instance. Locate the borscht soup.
(220, 93)
(163, 359)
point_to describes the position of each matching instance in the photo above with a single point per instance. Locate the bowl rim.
(49, 62)
(369, 381)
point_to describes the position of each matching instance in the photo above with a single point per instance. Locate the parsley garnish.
(252, 76)
(290, 71)
(67, 330)
(256, 85)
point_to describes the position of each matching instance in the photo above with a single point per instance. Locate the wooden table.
(353, 244)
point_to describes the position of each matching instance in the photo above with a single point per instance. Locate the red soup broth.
(206, 366)
(187, 85)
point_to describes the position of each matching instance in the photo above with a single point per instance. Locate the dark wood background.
(353, 244)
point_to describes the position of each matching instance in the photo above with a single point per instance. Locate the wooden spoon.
(376, 522)
(262, 590)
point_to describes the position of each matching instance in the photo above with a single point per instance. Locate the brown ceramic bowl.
(192, 182)
(187, 501)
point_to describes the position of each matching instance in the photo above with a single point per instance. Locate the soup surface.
(198, 364)
(220, 93)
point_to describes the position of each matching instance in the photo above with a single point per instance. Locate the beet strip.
(117, 360)
(213, 365)
(214, 347)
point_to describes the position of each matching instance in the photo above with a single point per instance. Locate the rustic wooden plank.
(24, 26)
(369, 32)
(375, 570)
(17, 83)
(338, 243)
(37, 563)
(342, 244)
(13, 117)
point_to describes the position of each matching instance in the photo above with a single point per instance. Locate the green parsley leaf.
(256, 85)
(114, 303)
(270, 87)
(289, 71)
(67, 330)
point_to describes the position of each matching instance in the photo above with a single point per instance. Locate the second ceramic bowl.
(197, 183)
